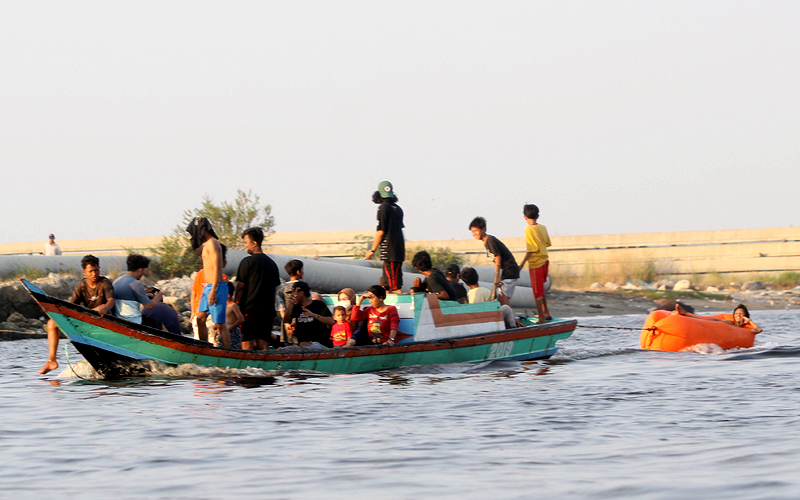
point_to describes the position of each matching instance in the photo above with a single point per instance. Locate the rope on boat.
(651, 329)
(66, 353)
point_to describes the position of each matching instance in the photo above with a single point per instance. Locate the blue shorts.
(217, 311)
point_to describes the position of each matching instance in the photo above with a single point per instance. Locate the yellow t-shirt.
(536, 240)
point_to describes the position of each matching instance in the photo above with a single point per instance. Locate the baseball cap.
(385, 189)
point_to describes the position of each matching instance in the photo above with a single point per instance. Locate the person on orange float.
(741, 318)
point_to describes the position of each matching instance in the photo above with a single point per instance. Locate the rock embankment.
(20, 313)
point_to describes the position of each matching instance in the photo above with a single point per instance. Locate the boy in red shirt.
(341, 331)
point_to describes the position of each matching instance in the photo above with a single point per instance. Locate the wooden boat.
(665, 331)
(435, 333)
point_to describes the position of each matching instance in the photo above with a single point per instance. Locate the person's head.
(231, 292)
(137, 264)
(200, 230)
(252, 237)
(340, 314)
(376, 295)
(422, 261)
(301, 289)
(739, 314)
(451, 272)
(469, 276)
(530, 211)
(385, 193)
(91, 268)
(52, 238)
(346, 297)
(478, 228)
(294, 268)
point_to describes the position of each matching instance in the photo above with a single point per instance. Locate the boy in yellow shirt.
(536, 240)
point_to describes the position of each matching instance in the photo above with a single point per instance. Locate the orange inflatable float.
(666, 331)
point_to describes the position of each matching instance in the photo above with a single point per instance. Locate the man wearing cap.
(51, 247)
(389, 237)
(214, 299)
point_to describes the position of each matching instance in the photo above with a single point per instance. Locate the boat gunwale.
(190, 345)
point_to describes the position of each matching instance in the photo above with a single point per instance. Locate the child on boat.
(477, 294)
(383, 320)
(341, 331)
(505, 267)
(234, 319)
(536, 241)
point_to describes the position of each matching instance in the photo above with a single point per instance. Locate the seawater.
(601, 419)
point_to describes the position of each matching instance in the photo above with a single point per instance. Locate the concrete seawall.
(745, 251)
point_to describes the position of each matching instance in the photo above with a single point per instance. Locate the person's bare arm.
(157, 297)
(328, 320)
(375, 244)
(103, 309)
(524, 260)
(238, 316)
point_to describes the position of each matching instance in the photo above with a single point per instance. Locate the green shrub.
(788, 279)
(174, 258)
(440, 257)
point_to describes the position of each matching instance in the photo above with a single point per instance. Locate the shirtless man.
(94, 292)
(215, 291)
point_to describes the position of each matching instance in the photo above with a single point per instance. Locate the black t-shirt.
(259, 274)
(461, 292)
(508, 265)
(390, 221)
(436, 283)
(309, 329)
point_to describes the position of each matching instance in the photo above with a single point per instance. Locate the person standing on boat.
(256, 280)
(505, 267)
(536, 241)
(129, 292)
(51, 247)
(94, 292)
(389, 237)
(310, 320)
(214, 299)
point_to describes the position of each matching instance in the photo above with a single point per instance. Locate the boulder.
(753, 285)
(595, 286)
(611, 286)
(712, 289)
(682, 285)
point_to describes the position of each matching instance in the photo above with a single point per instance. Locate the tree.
(173, 257)
(440, 257)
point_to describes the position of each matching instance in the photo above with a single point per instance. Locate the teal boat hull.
(117, 348)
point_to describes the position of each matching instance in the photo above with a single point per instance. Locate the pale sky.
(613, 117)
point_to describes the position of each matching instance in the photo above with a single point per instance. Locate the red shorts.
(538, 277)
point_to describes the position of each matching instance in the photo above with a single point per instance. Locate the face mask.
(345, 303)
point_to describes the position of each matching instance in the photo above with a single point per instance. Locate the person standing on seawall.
(51, 247)
(389, 237)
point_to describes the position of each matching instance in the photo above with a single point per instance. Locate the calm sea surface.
(601, 419)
